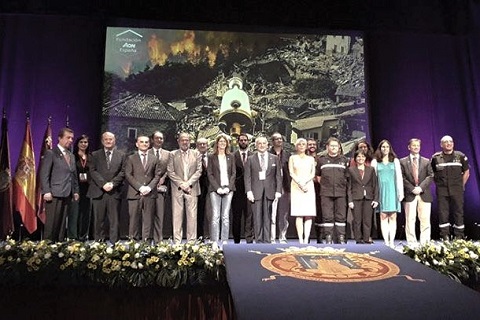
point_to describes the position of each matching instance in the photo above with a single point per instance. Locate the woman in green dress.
(390, 185)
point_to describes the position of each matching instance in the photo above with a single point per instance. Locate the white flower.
(137, 245)
(61, 255)
(109, 250)
(140, 266)
(47, 255)
(8, 247)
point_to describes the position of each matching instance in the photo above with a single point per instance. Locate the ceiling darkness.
(432, 16)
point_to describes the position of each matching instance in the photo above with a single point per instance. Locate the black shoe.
(341, 239)
(360, 242)
(328, 239)
(445, 237)
(369, 242)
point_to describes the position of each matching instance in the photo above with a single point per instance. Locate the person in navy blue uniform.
(332, 170)
(451, 173)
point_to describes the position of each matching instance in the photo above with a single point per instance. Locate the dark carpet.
(350, 282)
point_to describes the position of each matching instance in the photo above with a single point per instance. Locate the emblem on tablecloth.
(329, 265)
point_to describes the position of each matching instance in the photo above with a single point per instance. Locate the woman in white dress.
(302, 171)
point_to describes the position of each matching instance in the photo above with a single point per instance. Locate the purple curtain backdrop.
(425, 86)
(419, 85)
(50, 66)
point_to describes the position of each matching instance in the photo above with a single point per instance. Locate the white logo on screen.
(127, 41)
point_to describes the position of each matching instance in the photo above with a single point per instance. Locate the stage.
(294, 281)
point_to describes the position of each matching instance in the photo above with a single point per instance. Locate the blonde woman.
(302, 172)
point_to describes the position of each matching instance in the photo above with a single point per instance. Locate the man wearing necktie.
(162, 156)
(203, 206)
(240, 204)
(263, 184)
(417, 177)
(184, 169)
(142, 173)
(59, 184)
(281, 207)
(107, 173)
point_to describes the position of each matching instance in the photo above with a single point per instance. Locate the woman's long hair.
(75, 146)
(227, 146)
(379, 155)
(370, 152)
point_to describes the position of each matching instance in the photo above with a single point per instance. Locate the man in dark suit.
(203, 205)
(184, 169)
(312, 151)
(162, 155)
(240, 205)
(281, 207)
(107, 172)
(263, 184)
(417, 175)
(59, 182)
(142, 173)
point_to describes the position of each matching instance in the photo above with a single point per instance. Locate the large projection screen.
(309, 85)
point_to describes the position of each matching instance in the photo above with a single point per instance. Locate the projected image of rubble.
(209, 82)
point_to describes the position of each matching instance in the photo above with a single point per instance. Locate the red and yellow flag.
(46, 145)
(24, 183)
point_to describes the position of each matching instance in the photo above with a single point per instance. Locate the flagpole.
(25, 184)
(47, 145)
(6, 192)
(20, 233)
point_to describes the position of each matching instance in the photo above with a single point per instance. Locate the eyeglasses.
(277, 138)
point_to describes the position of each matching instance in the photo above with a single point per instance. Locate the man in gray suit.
(162, 155)
(142, 173)
(417, 175)
(184, 169)
(59, 182)
(263, 184)
(107, 172)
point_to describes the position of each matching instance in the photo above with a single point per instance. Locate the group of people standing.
(408, 180)
(258, 188)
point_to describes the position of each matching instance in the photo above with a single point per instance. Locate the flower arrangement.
(124, 264)
(458, 259)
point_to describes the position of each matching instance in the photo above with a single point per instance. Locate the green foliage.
(125, 264)
(458, 259)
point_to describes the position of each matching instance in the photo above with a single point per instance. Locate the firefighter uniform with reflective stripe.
(333, 193)
(448, 176)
